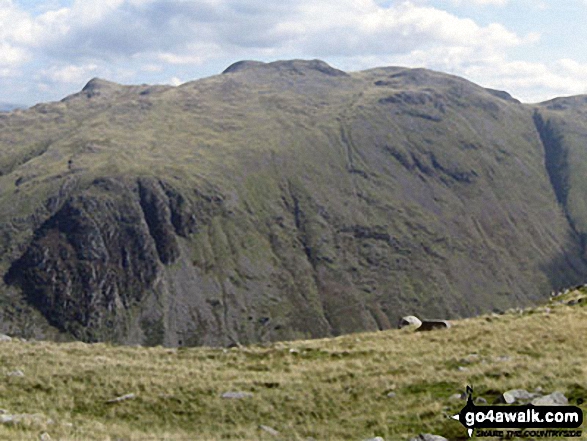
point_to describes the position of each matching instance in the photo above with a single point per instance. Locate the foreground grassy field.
(393, 384)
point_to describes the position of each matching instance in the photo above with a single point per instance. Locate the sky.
(534, 49)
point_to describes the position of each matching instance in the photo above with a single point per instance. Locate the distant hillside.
(284, 200)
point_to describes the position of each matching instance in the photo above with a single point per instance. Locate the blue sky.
(534, 49)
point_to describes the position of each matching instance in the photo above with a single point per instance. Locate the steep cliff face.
(284, 200)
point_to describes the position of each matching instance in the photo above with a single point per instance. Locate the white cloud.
(180, 59)
(152, 68)
(531, 81)
(123, 28)
(482, 2)
(69, 74)
(68, 45)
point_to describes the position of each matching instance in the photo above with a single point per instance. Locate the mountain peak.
(242, 65)
(98, 84)
(298, 66)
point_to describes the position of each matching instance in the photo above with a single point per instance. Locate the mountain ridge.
(284, 200)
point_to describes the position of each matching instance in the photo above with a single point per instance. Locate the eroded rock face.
(90, 262)
(100, 254)
(157, 214)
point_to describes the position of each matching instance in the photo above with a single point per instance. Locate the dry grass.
(326, 389)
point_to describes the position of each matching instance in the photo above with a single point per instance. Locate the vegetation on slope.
(394, 384)
(280, 201)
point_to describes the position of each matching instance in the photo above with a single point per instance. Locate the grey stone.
(25, 418)
(429, 325)
(391, 395)
(457, 397)
(269, 430)
(4, 337)
(6, 419)
(45, 437)
(236, 395)
(480, 400)
(16, 373)
(462, 369)
(409, 320)
(122, 398)
(377, 438)
(471, 358)
(517, 396)
(554, 399)
(429, 437)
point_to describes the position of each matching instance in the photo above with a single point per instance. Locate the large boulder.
(554, 399)
(429, 437)
(429, 325)
(409, 320)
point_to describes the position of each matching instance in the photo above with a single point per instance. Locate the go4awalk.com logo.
(521, 421)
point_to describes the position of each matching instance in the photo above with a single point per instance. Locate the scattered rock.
(457, 397)
(429, 437)
(45, 437)
(16, 373)
(517, 396)
(410, 320)
(554, 399)
(3, 411)
(269, 430)
(377, 438)
(429, 325)
(26, 419)
(122, 398)
(480, 400)
(236, 395)
(6, 418)
(502, 358)
(471, 358)
(462, 369)
(4, 337)
(391, 395)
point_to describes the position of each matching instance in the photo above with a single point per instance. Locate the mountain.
(284, 200)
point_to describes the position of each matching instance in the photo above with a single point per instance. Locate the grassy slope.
(326, 389)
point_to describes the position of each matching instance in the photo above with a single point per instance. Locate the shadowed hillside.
(284, 200)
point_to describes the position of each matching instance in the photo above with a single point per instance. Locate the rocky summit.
(284, 200)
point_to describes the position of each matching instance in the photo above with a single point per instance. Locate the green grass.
(335, 389)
